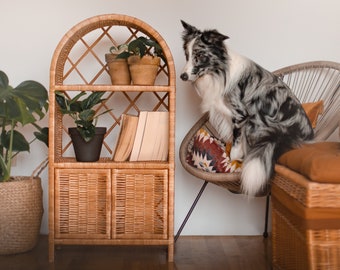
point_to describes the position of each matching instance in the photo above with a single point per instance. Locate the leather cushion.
(320, 162)
(313, 110)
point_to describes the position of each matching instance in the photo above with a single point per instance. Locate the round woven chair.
(311, 82)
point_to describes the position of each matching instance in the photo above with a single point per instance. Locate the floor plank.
(191, 253)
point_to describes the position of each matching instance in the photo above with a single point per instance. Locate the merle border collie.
(247, 105)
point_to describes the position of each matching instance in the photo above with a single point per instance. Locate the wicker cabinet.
(107, 202)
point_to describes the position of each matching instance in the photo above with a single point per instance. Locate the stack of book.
(144, 137)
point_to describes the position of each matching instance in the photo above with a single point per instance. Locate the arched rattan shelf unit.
(106, 202)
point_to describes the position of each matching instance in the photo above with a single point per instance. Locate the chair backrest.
(314, 81)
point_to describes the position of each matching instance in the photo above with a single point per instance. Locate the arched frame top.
(105, 22)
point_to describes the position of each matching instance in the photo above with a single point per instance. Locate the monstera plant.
(25, 104)
(20, 196)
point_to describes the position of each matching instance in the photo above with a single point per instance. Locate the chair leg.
(191, 209)
(265, 233)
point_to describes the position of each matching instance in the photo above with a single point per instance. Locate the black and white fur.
(246, 103)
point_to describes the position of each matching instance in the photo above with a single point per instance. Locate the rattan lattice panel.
(86, 45)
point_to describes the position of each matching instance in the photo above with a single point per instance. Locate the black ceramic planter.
(87, 151)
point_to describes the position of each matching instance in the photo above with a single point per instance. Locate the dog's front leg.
(239, 119)
(237, 149)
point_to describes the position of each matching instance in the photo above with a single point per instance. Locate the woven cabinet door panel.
(82, 202)
(140, 204)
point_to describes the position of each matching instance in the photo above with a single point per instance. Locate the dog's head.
(205, 52)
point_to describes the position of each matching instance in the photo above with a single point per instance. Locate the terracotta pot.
(143, 70)
(87, 151)
(118, 70)
(21, 210)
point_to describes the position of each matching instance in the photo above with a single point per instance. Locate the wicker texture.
(231, 181)
(309, 194)
(305, 222)
(140, 204)
(21, 211)
(305, 214)
(85, 45)
(106, 202)
(297, 247)
(81, 206)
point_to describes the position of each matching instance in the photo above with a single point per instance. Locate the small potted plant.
(143, 56)
(118, 68)
(87, 139)
(20, 196)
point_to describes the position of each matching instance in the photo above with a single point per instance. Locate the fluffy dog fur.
(246, 103)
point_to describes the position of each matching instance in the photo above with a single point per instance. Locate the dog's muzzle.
(184, 76)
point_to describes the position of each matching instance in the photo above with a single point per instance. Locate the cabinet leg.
(171, 252)
(51, 251)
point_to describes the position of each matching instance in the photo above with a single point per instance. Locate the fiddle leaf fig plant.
(25, 104)
(81, 111)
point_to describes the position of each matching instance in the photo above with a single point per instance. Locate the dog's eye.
(202, 58)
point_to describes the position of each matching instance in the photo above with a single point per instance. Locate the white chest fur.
(214, 92)
(211, 89)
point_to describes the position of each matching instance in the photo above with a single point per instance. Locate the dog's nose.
(184, 76)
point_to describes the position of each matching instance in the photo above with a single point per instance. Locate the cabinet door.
(82, 203)
(140, 204)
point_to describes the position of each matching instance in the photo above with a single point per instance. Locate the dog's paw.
(236, 152)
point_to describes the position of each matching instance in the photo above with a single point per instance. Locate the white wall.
(274, 33)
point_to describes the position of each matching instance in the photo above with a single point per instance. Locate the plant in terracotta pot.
(20, 196)
(143, 56)
(118, 68)
(87, 139)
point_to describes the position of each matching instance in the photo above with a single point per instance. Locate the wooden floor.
(196, 253)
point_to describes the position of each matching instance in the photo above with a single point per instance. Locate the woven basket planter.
(21, 210)
(143, 70)
(118, 69)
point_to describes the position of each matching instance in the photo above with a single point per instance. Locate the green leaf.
(19, 142)
(75, 107)
(123, 55)
(87, 133)
(93, 99)
(42, 135)
(32, 93)
(61, 100)
(87, 115)
(3, 80)
(25, 115)
(77, 97)
(69, 106)
(9, 108)
(21, 103)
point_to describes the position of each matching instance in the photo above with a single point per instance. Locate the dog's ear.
(189, 28)
(213, 37)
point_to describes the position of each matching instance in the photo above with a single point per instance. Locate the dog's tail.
(258, 168)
